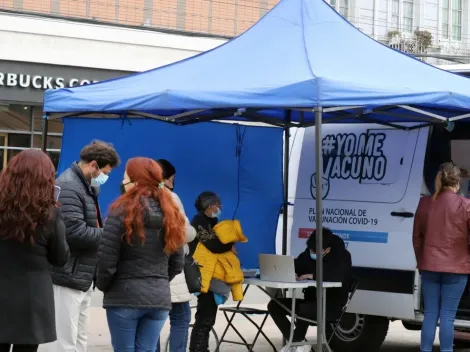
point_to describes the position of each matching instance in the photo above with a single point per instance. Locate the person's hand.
(305, 277)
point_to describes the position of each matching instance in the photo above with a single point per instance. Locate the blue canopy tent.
(301, 64)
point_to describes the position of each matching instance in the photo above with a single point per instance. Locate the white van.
(373, 179)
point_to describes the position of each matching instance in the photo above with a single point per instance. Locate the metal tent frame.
(359, 113)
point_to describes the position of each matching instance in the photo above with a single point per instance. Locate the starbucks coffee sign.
(40, 82)
(25, 82)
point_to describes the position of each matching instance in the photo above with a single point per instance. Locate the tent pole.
(285, 207)
(319, 230)
(45, 127)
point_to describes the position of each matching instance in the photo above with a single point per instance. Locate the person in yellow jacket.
(209, 209)
(225, 266)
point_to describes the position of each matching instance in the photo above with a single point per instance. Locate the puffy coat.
(178, 287)
(226, 266)
(137, 275)
(79, 206)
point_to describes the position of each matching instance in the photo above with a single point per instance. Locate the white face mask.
(101, 178)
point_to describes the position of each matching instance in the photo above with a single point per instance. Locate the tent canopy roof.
(300, 55)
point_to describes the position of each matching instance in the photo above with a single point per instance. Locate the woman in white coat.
(180, 314)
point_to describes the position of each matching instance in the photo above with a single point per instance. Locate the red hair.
(147, 175)
(26, 195)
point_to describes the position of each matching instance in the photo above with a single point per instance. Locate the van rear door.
(371, 188)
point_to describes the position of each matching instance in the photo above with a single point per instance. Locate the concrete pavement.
(398, 340)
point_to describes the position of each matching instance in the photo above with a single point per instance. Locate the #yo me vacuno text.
(352, 156)
(343, 216)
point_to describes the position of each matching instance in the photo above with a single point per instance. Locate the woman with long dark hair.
(441, 244)
(139, 254)
(32, 237)
(180, 313)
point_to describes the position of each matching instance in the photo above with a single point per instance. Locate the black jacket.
(81, 212)
(205, 234)
(337, 267)
(137, 275)
(26, 298)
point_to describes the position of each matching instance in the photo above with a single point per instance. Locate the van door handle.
(402, 214)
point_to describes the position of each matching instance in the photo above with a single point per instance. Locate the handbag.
(192, 273)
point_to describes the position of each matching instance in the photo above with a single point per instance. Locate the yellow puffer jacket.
(226, 266)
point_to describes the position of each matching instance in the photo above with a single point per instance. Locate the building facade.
(48, 44)
(394, 22)
(389, 21)
(39, 53)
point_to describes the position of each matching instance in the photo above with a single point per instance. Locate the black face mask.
(122, 189)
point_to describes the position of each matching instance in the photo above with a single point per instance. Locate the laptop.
(277, 268)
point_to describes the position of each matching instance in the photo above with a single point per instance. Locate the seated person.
(336, 268)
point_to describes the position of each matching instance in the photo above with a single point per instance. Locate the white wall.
(61, 42)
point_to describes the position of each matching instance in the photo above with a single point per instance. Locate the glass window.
(55, 156)
(456, 19)
(54, 126)
(333, 3)
(53, 142)
(19, 140)
(15, 117)
(445, 18)
(344, 8)
(395, 14)
(407, 15)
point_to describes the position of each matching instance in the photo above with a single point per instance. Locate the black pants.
(206, 314)
(5, 347)
(303, 308)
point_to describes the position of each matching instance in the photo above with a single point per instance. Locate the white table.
(261, 284)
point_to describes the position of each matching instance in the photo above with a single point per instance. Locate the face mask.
(101, 179)
(217, 214)
(122, 189)
(314, 255)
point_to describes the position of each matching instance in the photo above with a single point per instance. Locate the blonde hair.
(447, 177)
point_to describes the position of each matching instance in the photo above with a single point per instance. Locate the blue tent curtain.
(243, 164)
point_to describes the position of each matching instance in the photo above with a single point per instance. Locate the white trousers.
(71, 318)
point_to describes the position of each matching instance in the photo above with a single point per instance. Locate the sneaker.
(290, 349)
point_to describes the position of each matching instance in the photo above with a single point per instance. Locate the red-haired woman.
(139, 254)
(32, 237)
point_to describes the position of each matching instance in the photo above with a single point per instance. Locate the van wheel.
(358, 333)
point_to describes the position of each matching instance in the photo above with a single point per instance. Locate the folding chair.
(245, 312)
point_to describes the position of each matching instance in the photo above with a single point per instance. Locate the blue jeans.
(135, 329)
(180, 317)
(441, 293)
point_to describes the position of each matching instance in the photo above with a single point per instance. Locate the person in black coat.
(209, 209)
(32, 237)
(140, 252)
(73, 284)
(337, 267)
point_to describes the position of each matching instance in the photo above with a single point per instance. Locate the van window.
(395, 148)
(367, 164)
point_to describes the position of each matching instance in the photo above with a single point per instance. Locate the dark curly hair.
(168, 168)
(103, 153)
(327, 239)
(26, 195)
